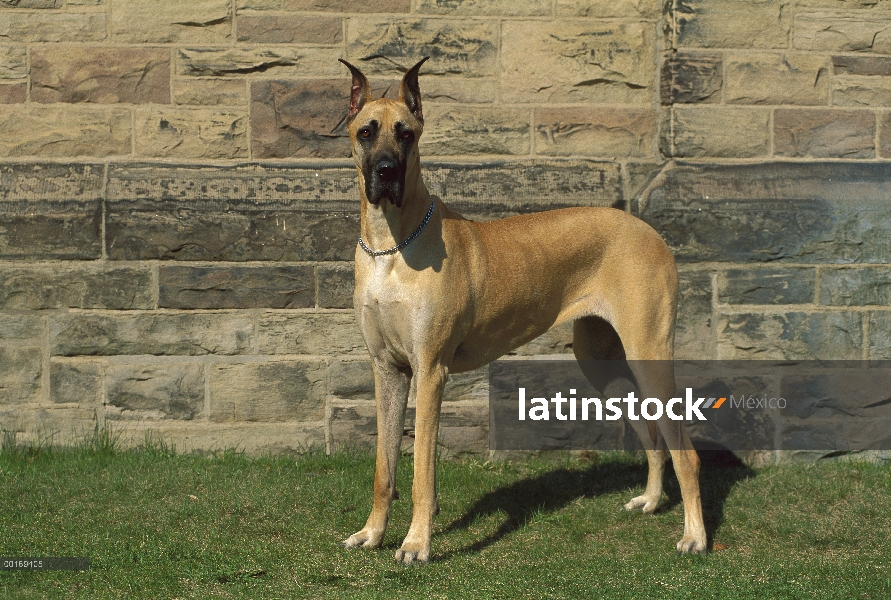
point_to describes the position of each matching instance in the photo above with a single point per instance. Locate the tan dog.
(438, 294)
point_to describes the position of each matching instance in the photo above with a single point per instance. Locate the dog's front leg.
(429, 386)
(391, 385)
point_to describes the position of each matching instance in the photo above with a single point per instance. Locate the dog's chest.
(388, 310)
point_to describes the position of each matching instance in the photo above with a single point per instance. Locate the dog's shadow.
(551, 491)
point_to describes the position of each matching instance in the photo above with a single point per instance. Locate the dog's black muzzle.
(385, 178)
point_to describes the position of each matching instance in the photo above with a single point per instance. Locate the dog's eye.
(365, 132)
(407, 136)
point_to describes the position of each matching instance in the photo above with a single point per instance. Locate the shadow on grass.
(551, 491)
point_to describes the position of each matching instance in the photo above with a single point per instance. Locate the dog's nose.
(386, 170)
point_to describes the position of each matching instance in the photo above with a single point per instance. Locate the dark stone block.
(855, 287)
(155, 391)
(767, 286)
(805, 213)
(237, 287)
(336, 284)
(694, 329)
(76, 286)
(75, 383)
(691, 77)
(792, 335)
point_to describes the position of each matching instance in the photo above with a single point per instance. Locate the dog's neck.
(386, 225)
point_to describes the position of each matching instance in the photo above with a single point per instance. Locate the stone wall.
(178, 213)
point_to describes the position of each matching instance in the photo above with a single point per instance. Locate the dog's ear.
(410, 93)
(360, 92)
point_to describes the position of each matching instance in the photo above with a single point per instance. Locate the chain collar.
(407, 241)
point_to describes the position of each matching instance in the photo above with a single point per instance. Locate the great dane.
(438, 294)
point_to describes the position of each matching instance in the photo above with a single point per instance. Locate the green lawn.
(160, 525)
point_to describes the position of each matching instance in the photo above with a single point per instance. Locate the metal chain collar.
(407, 241)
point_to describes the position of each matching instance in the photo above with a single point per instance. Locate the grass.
(156, 524)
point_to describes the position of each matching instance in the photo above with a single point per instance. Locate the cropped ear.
(360, 92)
(410, 93)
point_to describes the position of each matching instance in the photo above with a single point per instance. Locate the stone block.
(154, 392)
(879, 336)
(103, 75)
(605, 9)
(155, 334)
(13, 62)
(760, 78)
(468, 387)
(21, 374)
(289, 29)
(336, 285)
(320, 334)
(694, 328)
(733, 24)
(351, 380)
(767, 286)
(174, 132)
(855, 287)
(368, 6)
(76, 383)
(54, 131)
(821, 133)
(842, 31)
(885, 135)
(692, 78)
(391, 45)
(861, 91)
(210, 92)
(791, 336)
(20, 327)
(188, 287)
(614, 132)
(462, 130)
(577, 61)
(276, 61)
(75, 286)
(15, 93)
(486, 8)
(718, 132)
(267, 392)
(30, 4)
(354, 425)
(254, 439)
(877, 66)
(171, 21)
(52, 27)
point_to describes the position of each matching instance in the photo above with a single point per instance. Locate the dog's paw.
(413, 553)
(691, 545)
(367, 538)
(643, 503)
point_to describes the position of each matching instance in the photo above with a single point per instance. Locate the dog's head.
(384, 135)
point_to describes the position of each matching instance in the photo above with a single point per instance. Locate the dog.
(437, 294)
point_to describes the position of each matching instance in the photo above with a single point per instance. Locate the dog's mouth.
(387, 186)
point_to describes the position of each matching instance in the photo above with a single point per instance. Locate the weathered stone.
(353, 380)
(28, 130)
(646, 9)
(485, 8)
(171, 21)
(299, 119)
(556, 341)
(30, 3)
(745, 24)
(21, 373)
(637, 176)
(692, 78)
(104, 75)
(464, 430)
(210, 92)
(336, 286)
(821, 133)
(289, 29)
(166, 132)
(855, 287)
(76, 383)
(767, 286)
(880, 335)
(276, 62)
(325, 334)
(13, 62)
(456, 130)
(862, 65)
(446, 89)
(155, 392)
(389, 46)
(842, 31)
(471, 386)
(52, 27)
(270, 391)
(694, 328)
(50, 211)
(157, 334)
(18, 327)
(791, 336)
(75, 286)
(368, 6)
(805, 213)
(619, 132)
(718, 132)
(354, 426)
(885, 135)
(236, 287)
(48, 426)
(253, 439)
(15, 93)
(776, 79)
(861, 91)
(86, 2)
(576, 61)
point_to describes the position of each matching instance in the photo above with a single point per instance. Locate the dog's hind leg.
(595, 340)
(391, 386)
